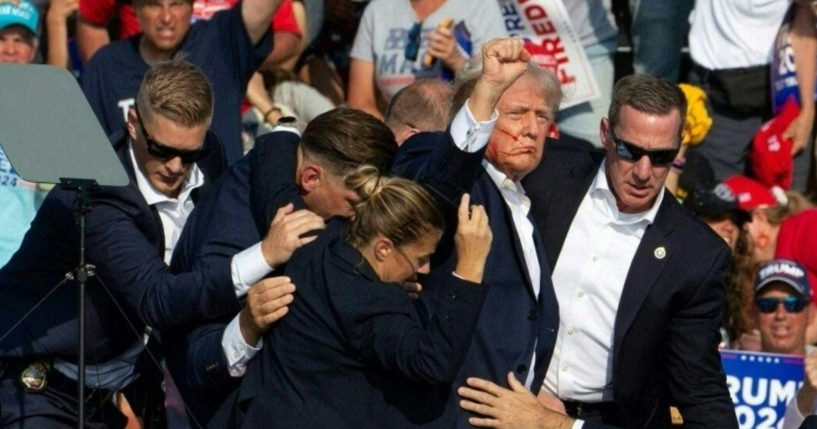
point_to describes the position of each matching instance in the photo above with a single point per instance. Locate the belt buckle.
(34, 377)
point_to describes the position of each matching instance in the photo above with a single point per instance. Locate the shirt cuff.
(578, 424)
(236, 350)
(468, 134)
(288, 129)
(247, 268)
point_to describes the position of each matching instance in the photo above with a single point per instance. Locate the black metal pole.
(82, 277)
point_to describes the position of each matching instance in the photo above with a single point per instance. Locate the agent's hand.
(502, 408)
(503, 62)
(551, 402)
(285, 234)
(412, 289)
(473, 240)
(267, 302)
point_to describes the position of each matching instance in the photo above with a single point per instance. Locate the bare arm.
(361, 92)
(300, 17)
(287, 46)
(257, 15)
(258, 96)
(803, 39)
(58, 13)
(90, 38)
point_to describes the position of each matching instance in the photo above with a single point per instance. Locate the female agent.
(354, 350)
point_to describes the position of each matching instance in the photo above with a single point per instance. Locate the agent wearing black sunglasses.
(129, 235)
(165, 150)
(640, 147)
(782, 300)
(606, 220)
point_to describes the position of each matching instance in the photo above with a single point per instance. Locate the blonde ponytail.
(395, 207)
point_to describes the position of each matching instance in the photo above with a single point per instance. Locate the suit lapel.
(650, 258)
(562, 206)
(496, 195)
(122, 151)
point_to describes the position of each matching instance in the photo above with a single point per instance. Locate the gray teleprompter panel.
(48, 130)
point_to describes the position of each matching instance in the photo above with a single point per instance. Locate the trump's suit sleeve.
(696, 378)
(449, 162)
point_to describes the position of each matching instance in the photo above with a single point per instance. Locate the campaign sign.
(783, 74)
(761, 384)
(553, 45)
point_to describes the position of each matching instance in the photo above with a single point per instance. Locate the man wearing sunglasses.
(783, 312)
(782, 298)
(229, 47)
(131, 232)
(638, 278)
(288, 185)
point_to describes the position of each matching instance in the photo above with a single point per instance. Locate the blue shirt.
(20, 201)
(220, 46)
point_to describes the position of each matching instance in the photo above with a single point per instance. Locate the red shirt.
(99, 12)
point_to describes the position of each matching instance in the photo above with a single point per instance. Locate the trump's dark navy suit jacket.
(124, 241)
(666, 334)
(513, 322)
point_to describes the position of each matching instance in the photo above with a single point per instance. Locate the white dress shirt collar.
(195, 179)
(504, 183)
(602, 194)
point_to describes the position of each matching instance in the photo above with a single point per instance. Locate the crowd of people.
(380, 214)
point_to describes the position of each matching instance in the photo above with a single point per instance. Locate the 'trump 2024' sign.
(761, 384)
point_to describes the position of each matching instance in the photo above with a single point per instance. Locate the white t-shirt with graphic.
(384, 33)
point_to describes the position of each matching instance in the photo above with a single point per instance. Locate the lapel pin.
(660, 252)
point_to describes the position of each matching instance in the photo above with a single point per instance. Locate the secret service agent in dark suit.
(282, 169)
(125, 242)
(517, 325)
(354, 352)
(665, 327)
(221, 226)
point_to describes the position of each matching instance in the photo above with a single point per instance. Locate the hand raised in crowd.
(286, 233)
(267, 302)
(472, 239)
(443, 46)
(514, 408)
(808, 393)
(60, 10)
(503, 62)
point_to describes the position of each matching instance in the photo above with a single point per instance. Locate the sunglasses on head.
(164, 152)
(631, 152)
(413, 46)
(792, 304)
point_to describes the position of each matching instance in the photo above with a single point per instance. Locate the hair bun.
(365, 182)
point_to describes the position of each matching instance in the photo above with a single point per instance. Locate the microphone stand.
(81, 274)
